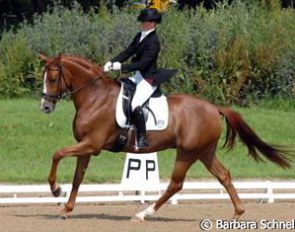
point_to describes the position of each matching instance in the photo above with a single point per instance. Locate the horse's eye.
(52, 80)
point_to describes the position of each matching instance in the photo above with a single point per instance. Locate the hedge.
(234, 54)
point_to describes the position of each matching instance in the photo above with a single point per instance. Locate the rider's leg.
(142, 93)
(139, 121)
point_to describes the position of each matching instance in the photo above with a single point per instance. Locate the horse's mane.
(88, 65)
(85, 62)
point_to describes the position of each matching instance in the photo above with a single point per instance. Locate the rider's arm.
(149, 55)
(128, 52)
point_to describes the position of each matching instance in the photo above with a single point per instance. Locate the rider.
(145, 49)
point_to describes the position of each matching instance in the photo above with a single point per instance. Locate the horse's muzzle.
(46, 106)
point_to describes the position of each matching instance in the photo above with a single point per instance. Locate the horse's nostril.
(47, 108)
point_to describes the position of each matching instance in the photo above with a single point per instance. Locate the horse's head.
(68, 75)
(54, 83)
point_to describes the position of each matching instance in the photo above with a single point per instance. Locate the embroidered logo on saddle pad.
(155, 111)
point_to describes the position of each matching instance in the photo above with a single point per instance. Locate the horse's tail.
(237, 126)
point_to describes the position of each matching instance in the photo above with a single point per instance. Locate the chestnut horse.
(194, 129)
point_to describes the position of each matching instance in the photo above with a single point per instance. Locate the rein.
(60, 95)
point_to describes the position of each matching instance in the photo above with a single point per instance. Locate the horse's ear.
(42, 57)
(59, 57)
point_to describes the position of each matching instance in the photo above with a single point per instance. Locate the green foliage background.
(233, 54)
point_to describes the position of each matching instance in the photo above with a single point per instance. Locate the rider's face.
(145, 26)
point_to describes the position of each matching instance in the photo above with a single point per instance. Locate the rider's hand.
(116, 66)
(108, 66)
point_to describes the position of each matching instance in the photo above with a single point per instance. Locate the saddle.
(155, 109)
(128, 91)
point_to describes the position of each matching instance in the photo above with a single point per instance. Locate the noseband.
(53, 98)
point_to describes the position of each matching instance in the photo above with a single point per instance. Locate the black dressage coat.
(144, 54)
(144, 58)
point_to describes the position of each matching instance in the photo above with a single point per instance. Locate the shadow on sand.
(104, 217)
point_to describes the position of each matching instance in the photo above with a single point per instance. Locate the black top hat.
(149, 14)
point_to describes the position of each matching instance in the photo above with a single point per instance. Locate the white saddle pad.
(156, 120)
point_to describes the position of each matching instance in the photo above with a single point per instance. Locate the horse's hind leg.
(222, 174)
(182, 164)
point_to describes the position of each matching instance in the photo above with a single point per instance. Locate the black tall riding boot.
(139, 121)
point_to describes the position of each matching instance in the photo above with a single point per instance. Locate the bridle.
(53, 98)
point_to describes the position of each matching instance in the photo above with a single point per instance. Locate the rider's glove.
(108, 66)
(116, 66)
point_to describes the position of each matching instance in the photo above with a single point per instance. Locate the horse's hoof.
(63, 217)
(56, 192)
(137, 219)
(238, 214)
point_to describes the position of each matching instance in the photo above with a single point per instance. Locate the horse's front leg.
(81, 149)
(81, 167)
(55, 188)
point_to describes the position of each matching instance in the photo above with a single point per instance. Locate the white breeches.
(143, 90)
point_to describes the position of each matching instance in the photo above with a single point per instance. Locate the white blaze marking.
(44, 83)
(44, 87)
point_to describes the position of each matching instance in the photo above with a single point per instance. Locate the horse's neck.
(101, 93)
(98, 89)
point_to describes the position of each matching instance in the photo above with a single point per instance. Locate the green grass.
(28, 139)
